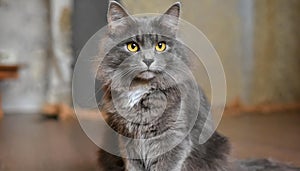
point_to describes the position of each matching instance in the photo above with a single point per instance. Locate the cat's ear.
(174, 10)
(118, 18)
(115, 12)
(170, 18)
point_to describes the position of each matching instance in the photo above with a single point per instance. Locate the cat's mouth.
(146, 75)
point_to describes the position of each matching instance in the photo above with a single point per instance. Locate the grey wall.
(24, 37)
(88, 17)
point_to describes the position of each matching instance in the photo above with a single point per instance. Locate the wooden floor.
(33, 143)
(275, 136)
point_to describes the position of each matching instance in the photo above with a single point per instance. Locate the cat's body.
(188, 155)
(206, 157)
(150, 96)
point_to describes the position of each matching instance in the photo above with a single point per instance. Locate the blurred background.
(258, 42)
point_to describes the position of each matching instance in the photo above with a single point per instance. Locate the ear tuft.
(115, 12)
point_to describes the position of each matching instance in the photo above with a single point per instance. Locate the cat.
(143, 78)
(153, 99)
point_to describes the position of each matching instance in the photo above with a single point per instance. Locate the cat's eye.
(161, 46)
(133, 47)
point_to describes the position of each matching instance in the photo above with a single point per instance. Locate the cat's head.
(142, 49)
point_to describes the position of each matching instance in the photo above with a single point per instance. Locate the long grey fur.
(143, 101)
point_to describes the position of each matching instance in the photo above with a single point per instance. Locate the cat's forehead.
(146, 25)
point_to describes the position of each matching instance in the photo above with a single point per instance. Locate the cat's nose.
(148, 62)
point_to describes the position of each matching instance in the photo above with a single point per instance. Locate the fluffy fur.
(144, 101)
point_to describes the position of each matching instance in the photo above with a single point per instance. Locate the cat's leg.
(170, 161)
(128, 151)
(210, 156)
(173, 160)
(109, 162)
(134, 165)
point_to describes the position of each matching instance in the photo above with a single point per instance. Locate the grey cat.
(147, 92)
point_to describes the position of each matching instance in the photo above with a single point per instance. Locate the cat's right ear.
(116, 13)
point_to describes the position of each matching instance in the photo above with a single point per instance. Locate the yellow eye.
(161, 46)
(133, 47)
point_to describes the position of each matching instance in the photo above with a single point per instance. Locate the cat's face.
(148, 52)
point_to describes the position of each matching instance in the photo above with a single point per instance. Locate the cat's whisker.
(168, 82)
(123, 78)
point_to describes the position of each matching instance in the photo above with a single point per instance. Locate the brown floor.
(275, 136)
(33, 143)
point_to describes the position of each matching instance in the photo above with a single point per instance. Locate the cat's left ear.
(170, 18)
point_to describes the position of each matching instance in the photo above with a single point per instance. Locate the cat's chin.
(146, 75)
